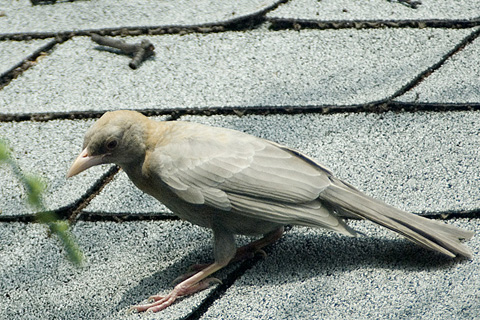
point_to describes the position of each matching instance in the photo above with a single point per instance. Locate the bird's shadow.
(304, 256)
(307, 254)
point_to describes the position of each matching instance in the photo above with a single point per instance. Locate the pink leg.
(197, 280)
(193, 284)
(249, 250)
(246, 252)
(190, 272)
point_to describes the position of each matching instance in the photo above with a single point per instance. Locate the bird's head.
(117, 137)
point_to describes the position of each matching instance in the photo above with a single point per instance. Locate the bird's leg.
(246, 252)
(190, 272)
(195, 283)
(198, 280)
(249, 250)
(224, 250)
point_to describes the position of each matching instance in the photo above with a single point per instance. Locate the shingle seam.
(27, 63)
(297, 24)
(381, 106)
(244, 22)
(90, 216)
(71, 212)
(427, 72)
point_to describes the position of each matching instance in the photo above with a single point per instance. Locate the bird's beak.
(83, 162)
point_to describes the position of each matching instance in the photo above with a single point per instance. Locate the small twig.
(37, 2)
(140, 51)
(42, 2)
(144, 51)
(114, 43)
(409, 3)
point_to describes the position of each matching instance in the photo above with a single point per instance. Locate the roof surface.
(384, 93)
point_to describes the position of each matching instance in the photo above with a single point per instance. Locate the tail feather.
(428, 233)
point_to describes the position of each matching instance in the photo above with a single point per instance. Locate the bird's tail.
(434, 235)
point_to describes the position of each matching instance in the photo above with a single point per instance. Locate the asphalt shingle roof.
(384, 93)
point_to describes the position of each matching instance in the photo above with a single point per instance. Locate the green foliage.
(35, 187)
(4, 152)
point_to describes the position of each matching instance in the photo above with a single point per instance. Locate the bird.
(237, 184)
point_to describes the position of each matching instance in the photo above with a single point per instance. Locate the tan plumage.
(235, 183)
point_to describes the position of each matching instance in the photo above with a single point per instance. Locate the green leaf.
(4, 151)
(34, 187)
(61, 229)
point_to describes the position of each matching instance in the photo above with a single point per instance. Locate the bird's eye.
(112, 144)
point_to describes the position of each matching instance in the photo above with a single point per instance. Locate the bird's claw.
(131, 310)
(260, 252)
(213, 280)
(154, 298)
(154, 304)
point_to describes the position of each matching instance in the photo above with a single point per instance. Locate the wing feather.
(312, 213)
(230, 170)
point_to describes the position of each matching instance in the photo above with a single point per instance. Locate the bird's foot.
(248, 252)
(158, 303)
(253, 248)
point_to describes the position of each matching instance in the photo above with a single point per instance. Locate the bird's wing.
(230, 170)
